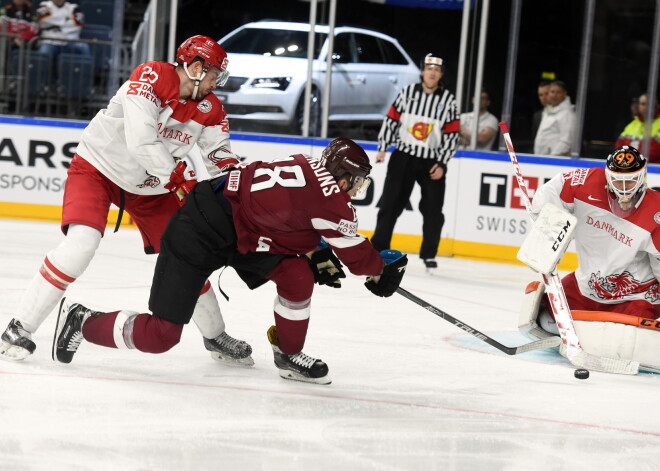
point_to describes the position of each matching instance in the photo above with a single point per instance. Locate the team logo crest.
(204, 106)
(656, 218)
(620, 285)
(151, 182)
(421, 131)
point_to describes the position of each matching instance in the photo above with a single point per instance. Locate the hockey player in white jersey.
(617, 241)
(131, 155)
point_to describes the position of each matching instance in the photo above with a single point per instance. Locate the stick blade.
(548, 342)
(603, 364)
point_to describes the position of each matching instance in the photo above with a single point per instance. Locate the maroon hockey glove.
(178, 183)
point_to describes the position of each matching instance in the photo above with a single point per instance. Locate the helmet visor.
(360, 184)
(221, 77)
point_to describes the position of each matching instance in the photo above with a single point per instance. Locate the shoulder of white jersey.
(158, 77)
(212, 110)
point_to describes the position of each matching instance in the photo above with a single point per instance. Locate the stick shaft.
(544, 343)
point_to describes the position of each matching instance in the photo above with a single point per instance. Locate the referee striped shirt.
(424, 125)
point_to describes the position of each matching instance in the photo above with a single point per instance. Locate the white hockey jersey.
(59, 21)
(619, 259)
(146, 128)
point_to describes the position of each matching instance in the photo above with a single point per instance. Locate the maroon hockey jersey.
(286, 206)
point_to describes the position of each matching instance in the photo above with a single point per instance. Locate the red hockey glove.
(178, 183)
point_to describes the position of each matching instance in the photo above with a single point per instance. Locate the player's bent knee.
(294, 279)
(153, 334)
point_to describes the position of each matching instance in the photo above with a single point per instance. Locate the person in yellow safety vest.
(633, 133)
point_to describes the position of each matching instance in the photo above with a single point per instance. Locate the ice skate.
(431, 265)
(68, 330)
(299, 367)
(17, 342)
(230, 351)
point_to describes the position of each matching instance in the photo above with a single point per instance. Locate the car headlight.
(275, 83)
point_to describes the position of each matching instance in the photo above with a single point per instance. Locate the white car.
(268, 67)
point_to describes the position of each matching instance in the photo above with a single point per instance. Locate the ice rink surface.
(410, 391)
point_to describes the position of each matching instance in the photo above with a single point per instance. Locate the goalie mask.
(343, 158)
(209, 53)
(625, 172)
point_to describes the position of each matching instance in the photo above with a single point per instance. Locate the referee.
(423, 124)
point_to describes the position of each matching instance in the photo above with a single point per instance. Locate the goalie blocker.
(605, 334)
(546, 243)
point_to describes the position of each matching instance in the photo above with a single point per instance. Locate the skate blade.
(11, 352)
(431, 271)
(292, 375)
(229, 361)
(59, 326)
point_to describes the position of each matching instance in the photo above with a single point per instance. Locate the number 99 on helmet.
(625, 172)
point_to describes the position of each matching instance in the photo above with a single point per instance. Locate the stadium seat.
(98, 12)
(100, 52)
(36, 71)
(76, 74)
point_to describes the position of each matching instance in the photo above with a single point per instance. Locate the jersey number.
(148, 75)
(293, 177)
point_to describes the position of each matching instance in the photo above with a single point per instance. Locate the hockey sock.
(291, 334)
(100, 330)
(207, 315)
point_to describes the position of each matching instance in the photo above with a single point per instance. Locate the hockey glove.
(326, 267)
(178, 183)
(389, 280)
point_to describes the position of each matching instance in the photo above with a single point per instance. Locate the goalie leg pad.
(534, 321)
(618, 340)
(544, 246)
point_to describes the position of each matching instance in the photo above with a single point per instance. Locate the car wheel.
(314, 114)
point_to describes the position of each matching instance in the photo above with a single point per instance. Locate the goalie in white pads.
(614, 294)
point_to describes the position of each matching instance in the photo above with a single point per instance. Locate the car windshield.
(272, 42)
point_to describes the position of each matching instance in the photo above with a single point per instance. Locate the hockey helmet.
(209, 52)
(343, 158)
(625, 172)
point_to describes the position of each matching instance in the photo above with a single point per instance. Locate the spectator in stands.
(19, 16)
(543, 89)
(557, 128)
(633, 133)
(60, 22)
(486, 129)
(19, 10)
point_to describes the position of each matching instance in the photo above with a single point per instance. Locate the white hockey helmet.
(625, 171)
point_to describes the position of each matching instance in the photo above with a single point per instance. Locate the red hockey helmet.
(625, 172)
(206, 50)
(343, 158)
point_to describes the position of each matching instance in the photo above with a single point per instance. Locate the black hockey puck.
(581, 374)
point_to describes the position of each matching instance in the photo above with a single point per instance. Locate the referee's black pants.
(403, 171)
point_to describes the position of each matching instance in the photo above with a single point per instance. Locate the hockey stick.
(538, 344)
(558, 303)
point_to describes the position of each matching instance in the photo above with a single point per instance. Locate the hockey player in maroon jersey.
(130, 155)
(261, 219)
(617, 240)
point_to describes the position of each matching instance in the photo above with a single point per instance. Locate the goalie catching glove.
(326, 266)
(178, 183)
(390, 278)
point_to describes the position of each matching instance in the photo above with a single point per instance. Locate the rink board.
(484, 215)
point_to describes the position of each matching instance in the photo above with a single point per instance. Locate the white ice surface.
(410, 391)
